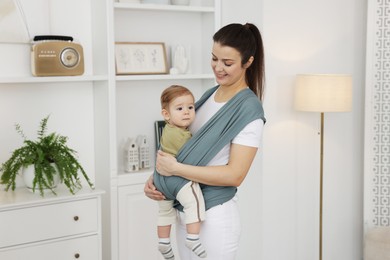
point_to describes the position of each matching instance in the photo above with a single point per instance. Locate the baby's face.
(182, 111)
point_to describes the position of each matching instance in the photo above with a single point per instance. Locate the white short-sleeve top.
(249, 136)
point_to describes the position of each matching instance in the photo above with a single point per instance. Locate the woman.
(238, 65)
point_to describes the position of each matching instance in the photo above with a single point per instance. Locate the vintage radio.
(53, 55)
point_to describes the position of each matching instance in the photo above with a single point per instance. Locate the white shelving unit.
(99, 110)
(137, 106)
(77, 106)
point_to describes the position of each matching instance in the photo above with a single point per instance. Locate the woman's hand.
(165, 163)
(151, 191)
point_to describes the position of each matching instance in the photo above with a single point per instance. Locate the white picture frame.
(135, 58)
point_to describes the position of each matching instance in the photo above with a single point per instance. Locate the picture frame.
(135, 58)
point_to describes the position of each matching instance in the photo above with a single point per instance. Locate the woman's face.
(226, 65)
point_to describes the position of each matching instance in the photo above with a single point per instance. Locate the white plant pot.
(28, 178)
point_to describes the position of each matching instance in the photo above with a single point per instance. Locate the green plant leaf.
(47, 150)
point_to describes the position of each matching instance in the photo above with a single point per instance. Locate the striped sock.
(193, 243)
(164, 246)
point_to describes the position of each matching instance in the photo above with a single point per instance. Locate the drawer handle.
(76, 218)
(77, 255)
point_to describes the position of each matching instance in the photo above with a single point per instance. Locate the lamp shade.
(323, 92)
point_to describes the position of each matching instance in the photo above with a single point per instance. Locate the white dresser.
(61, 227)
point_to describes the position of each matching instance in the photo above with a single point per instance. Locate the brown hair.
(246, 39)
(173, 92)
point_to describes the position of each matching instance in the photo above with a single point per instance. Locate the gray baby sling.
(220, 130)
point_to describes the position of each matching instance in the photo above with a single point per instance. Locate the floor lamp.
(323, 93)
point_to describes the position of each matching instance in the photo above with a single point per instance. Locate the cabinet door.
(85, 248)
(137, 225)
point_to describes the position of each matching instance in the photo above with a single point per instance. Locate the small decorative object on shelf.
(48, 156)
(180, 60)
(56, 55)
(131, 156)
(143, 151)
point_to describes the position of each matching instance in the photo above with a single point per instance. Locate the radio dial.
(69, 57)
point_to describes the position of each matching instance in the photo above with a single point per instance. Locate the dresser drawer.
(25, 225)
(83, 248)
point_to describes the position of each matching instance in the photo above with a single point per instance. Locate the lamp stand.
(321, 177)
(323, 93)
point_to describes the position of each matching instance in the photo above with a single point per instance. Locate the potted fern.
(51, 159)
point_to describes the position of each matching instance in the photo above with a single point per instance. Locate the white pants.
(219, 234)
(191, 198)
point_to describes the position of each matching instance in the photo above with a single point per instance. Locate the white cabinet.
(54, 227)
(137, 221)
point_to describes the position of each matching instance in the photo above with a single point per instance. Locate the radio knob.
(69, 57)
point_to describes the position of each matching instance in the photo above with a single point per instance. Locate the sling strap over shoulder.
(220, 130)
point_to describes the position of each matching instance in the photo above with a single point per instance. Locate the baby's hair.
(173, 92)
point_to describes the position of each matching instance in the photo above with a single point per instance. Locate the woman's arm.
(232, 174)
(151, 191)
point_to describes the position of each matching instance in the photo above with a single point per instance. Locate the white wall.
(28, 104)
(280, 198)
